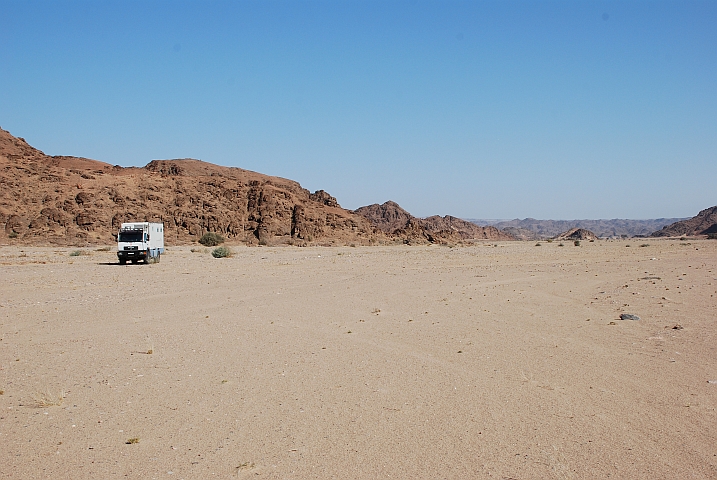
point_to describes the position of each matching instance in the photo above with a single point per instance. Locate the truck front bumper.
(132, 254)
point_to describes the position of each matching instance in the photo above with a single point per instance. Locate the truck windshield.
(130, 236)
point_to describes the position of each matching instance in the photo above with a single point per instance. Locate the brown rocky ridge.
(704, 223)
(577, 234)
(393, 220)
(70, 200)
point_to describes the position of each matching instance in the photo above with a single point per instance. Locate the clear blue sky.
(491, 109)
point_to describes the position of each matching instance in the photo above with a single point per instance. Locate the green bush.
(221, 252)
(13, 234)
(576, 243)
(77, 253)
(211, 239)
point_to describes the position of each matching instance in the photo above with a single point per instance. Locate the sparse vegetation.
(712, 236)
(538, 244)
(576, 243)
(132, 441)
(211, 239)
(13, 234)
(561, 244)
(645, 245)
(221, 252)
(103, 249)
(47, 399)
(77, 253)
(550, 240)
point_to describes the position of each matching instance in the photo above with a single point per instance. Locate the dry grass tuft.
(132, 441)
(48, 399)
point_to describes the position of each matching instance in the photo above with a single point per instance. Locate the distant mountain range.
(532, 229)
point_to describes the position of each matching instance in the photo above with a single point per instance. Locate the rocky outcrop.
(704, 223)
(577, 234)
(393, 220)
(70, 200)
(387, 217)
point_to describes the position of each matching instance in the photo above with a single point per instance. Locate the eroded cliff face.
(71, 200)
(68, 200)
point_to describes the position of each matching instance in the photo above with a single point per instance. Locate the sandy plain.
(502, 360)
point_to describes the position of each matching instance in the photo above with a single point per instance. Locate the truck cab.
(140, 241)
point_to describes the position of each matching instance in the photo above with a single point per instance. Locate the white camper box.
(140, 241)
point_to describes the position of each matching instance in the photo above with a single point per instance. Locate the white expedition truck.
(140, 241)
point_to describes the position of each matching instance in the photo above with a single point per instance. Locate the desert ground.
(499, 360)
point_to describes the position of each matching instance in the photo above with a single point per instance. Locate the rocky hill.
(577, 234)
(704, 223)
(387, 217)
(602, 228)
(69, 200)
(393, 220)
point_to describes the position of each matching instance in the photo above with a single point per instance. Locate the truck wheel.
(159, 256)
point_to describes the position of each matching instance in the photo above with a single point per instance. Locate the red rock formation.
(69, 200)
